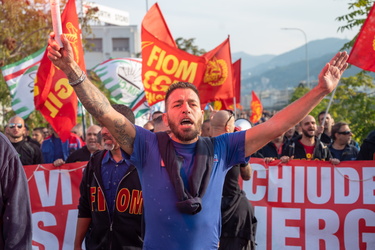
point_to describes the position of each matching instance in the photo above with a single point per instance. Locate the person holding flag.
(182, 208)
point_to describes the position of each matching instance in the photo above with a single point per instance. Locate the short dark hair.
(336, 129)
(125, 111)
(181, 85)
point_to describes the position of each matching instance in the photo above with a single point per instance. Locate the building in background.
(112, 36)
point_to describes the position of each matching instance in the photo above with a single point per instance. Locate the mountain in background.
(288, 70)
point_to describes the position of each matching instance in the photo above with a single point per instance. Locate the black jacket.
(296, 149)
(15, 211)
(269, 150)
(81, 154)
(367, 151)
(28, 152)
(125, 230)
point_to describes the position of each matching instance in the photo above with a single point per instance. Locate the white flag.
(122, 77)
(19, 77)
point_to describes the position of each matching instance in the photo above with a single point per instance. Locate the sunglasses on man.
(345, 132)
(13, 125)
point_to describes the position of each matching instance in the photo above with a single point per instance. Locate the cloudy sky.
(254, 26)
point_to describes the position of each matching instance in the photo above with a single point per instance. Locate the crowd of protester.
(327, 141)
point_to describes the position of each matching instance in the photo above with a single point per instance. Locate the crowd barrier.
(299, 205)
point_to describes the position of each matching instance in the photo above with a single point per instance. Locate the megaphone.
(242, 124)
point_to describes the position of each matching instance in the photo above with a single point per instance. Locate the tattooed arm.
(90, 96)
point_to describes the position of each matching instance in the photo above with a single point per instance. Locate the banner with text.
(313, 204)
(299, 205)
(54, 195)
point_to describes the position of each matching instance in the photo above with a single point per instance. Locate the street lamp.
(307, 57)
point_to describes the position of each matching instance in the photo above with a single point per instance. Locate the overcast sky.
(254, 26)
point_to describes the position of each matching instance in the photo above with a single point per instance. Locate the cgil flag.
(19, 77)
(163, 63)
(256, 108)
(362, 54)
(122, 78)
(53, 95)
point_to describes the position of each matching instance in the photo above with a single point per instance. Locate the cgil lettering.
(61, 92)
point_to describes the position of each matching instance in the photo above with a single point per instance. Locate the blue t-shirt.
(165, 226)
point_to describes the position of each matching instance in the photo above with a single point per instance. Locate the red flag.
(53, 95)
(163, 63)
(256, 108)
(228, 103)
(363, 51)
(217, 81)
(154, 23)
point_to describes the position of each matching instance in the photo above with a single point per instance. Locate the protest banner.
(313, 204)
(300, 205)
(54, 196)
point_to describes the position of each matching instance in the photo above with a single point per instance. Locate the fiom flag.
(256, 108)
(122, 77)
(164, 64)
(363, 51)
(19, 77)
(53, 96)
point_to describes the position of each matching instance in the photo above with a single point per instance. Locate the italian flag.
(19, 77)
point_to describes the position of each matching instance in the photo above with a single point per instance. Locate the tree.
(359, 11)
(188, 46)
(25, 29)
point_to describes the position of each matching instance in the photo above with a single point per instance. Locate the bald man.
(238, 221)
(28, 152)
(307, 145)
(92, 145)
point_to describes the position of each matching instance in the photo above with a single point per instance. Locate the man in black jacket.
(111, 203)
(92, 145)
(307, 145)
(28, 152)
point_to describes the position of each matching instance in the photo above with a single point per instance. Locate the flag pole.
(235, 107)
(83, 122)
(327, 109)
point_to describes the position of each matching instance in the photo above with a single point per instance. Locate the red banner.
(313, 204)
(302, 204)
(53, 95)
(54, 195)
(363, 51)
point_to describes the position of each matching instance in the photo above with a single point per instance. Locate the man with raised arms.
(182, 179)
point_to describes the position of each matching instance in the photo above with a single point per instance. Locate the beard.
(307, 134)
(187, 134)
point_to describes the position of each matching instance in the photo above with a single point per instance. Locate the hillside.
(288, 70)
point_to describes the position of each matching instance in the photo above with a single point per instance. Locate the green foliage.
(24, 30)
(188, 46)
(354, 103)
(359, 11)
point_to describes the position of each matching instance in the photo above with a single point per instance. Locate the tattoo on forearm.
(123, 138)
(93, 100)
